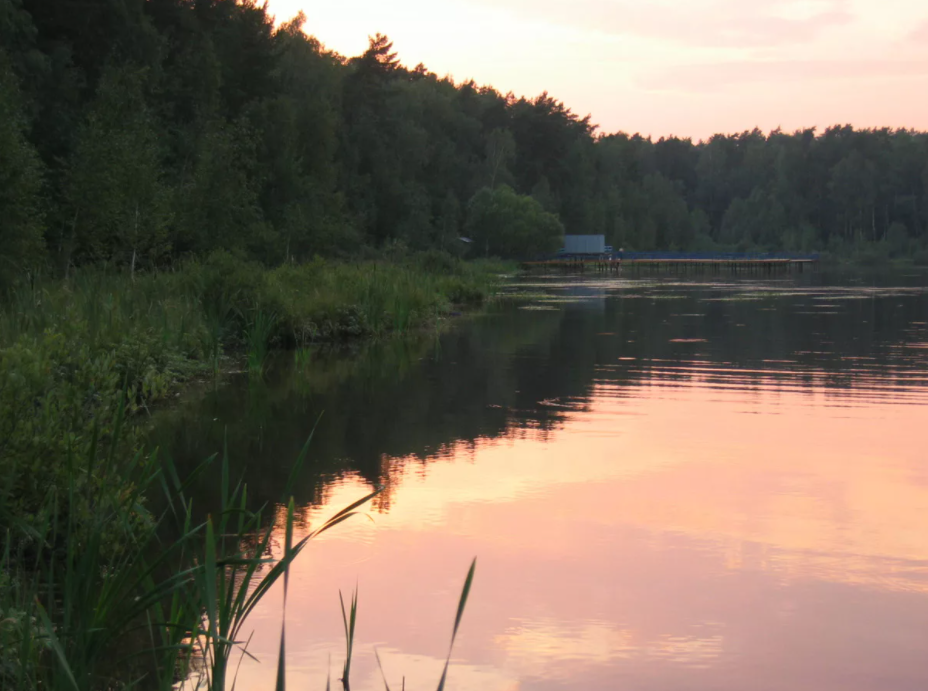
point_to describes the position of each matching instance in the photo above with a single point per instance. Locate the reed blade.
(462, 603)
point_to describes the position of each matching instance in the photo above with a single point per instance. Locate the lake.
(669, 482)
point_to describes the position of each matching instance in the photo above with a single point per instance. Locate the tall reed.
(462, 603)
(85, 573)
(258, 334)
(93, 595)
(125, 596)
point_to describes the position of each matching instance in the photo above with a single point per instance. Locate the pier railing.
(714, 256)
(766, 261)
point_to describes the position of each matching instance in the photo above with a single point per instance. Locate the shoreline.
(81, 360)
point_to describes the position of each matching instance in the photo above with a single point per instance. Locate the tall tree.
(116, 194)
(500, 150)
(168, 128)
(21, 217)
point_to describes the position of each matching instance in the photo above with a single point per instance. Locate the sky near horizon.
(689, 68)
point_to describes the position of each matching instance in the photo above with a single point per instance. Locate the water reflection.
(668, 484)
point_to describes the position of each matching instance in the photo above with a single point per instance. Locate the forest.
(139, 133)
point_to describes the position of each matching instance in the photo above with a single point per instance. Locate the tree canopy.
(140, 132)
(507, 224)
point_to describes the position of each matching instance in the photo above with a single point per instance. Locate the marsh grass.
(66, 347)
(258, 335)
(109, 601)
(203, 307)
(92, 592)
(83, 610)
(349, 619)
(462, 603)
(302, 358)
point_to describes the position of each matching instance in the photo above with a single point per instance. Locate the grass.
(349, 620)
(302, 358)
(92, 593)
(111, 603)
(202, 307)
(68, 348)
(258, 334)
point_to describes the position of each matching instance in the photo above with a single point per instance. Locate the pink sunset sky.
(684, 67)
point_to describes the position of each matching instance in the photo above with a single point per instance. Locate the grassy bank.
(79, 360)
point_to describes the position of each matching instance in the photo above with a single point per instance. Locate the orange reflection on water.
(673, 535)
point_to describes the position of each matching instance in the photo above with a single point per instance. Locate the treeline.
(140, 132)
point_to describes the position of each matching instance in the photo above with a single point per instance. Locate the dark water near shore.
(669, 483)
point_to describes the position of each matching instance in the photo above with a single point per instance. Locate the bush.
(438, 262)
(506, 224)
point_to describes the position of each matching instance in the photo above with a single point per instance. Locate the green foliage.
(759, 220)
(349, 619)
(80, 611)
(667, 220)
(21, 217)
(69, 353)
(219, 195)
(72, 353)
(897, 239)
(258, 340)
(462, 603)
(500, 150)
(331, 302)
(169, 129)
(117, 203)
(68, 356)
(506, 224)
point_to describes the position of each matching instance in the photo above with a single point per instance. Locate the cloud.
(708, 23)
(723, 75)
(920, 34)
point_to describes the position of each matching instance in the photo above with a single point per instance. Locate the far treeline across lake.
(141, 133)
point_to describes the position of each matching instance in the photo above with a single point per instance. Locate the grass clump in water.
(258, 334)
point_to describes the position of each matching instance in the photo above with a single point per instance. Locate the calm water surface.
(668, 483)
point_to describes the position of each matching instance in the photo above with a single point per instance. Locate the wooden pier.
(676, 263)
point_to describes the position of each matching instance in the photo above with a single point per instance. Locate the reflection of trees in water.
(403, 401)
(399, 398)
